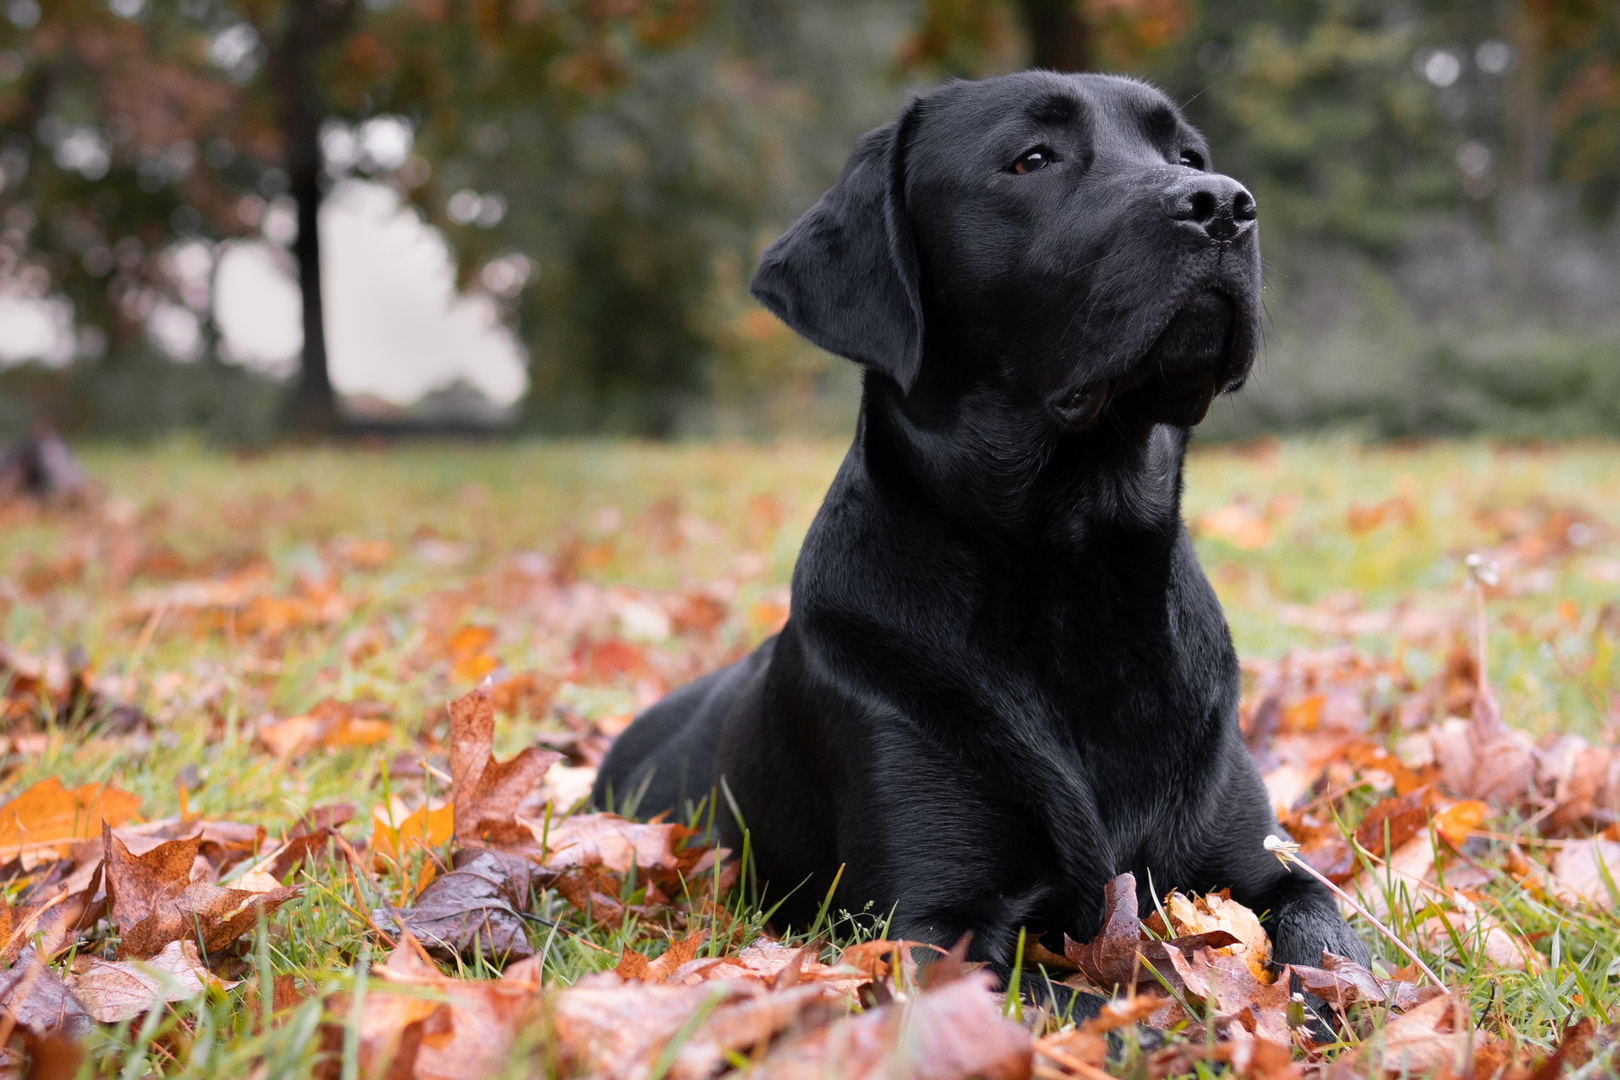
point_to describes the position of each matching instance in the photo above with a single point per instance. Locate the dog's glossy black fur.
(1005, 678)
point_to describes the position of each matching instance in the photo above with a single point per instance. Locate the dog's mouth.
(1196, 357)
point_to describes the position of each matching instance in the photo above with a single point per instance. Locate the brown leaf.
(1340, 982)
(1115, 957)
(473, 1039)
(219, 916)
(471, 909)
(1420, 1041)
(1578, 872)
(611, 843)
(53, 924)
(35, 997)
(637, 967)
(953, 1032)
(137, 884)
(608, 1028)
(483, 789)
(122, 990)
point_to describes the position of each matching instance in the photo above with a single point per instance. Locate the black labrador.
(1006, 678)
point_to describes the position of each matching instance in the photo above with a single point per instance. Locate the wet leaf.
(473, 909)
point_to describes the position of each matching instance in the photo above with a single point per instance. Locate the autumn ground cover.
(245, 747)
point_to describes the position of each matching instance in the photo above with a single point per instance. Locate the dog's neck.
(1008, 473)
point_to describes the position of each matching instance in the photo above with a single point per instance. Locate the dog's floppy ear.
(845, 275)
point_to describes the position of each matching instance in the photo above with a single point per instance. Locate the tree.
(164, 121)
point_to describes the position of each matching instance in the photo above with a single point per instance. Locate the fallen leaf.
(121, 990)
(47, 818)
(472, 909)
(1115, 957)
(634, 966)
(35, 997)
(1341, 982)
(952, 1032)
(1579, 869)
(473, 1038)
(329, 724)
(153, 902)
(395, 831)
(484, 791)
(1218, 911)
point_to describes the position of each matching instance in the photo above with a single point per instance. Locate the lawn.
(290, 627)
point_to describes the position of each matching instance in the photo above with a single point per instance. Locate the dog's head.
(1060, 238)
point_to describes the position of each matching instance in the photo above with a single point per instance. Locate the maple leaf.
(35, 997)
(395, 832)
(486, 793)
(474, 908)
(47, 818)
(329, 723)
(121, 990)
(952, 1031)
(634, 966)
(603, 1027)
(464, 1031)
(153, 902)
(1115, 957)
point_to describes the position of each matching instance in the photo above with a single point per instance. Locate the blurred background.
(249, 218)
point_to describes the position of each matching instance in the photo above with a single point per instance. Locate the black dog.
(1005, 679)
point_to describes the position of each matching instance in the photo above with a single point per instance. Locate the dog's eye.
(1192, 159)
(1032, 160)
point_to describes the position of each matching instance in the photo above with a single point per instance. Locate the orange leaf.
(48, 814)
(393, 834)
(1456, 822)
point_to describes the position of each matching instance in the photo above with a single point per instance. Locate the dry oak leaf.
(153, 902)
(44, 820)
(483, 789)
(467, 1026)
(35, 998)
(605, 1027)
(1116, 955)
(329, 723)
(953, 1031)
(120, 990)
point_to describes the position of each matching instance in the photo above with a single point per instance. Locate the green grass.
(681, 517)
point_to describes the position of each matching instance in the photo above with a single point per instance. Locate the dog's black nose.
(1220, 205)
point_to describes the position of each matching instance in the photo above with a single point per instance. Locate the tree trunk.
(308, 25)
(1060, 37)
